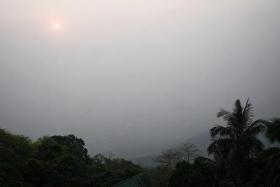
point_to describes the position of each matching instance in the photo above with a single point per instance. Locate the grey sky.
(135, 76)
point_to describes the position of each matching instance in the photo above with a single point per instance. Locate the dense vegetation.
(237, 158)
(57, 161)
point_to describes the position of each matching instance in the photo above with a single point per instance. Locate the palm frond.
(226, 115)
(256, 127)
(221, 131)
(247, 113)
(219, 146)
(238, 107)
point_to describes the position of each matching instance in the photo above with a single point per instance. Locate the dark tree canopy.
(239, 157)
(56, 161)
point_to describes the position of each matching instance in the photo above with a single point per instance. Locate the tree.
(108, 171)
(32, 172)
(57, 161)
(51, 147)
(202, 173)
(14, 151)
(189, 152)
(169, 158)
(236, 143)
(65, 161)
(18, 145)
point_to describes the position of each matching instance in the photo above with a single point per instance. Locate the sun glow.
(57, 26)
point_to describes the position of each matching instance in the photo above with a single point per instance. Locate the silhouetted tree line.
(237, 158)
(57, 161)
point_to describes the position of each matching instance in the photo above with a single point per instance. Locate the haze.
(134, 77)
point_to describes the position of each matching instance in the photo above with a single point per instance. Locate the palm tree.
(236, 143)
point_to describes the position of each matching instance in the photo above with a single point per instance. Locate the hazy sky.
(134, 76)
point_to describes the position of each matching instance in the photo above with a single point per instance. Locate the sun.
(56, 26)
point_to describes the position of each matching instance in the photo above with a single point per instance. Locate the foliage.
(14, 150)
(238, 155)
(236, 144)
(108, 172)
(201, 173)
(272, 155)
(189, 152)
(169, 158)
(55, 161)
